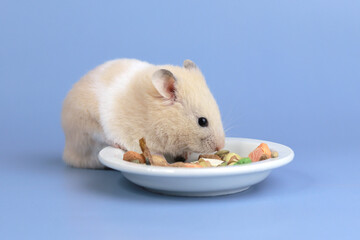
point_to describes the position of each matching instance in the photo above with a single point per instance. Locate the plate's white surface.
(200, 181)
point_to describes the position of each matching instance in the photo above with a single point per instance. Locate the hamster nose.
(220, 146)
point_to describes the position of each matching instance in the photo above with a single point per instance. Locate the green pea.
(243, 161)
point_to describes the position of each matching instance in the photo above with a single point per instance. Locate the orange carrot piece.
(265, 149)
(260, 153)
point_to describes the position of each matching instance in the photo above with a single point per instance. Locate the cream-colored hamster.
(123, 100)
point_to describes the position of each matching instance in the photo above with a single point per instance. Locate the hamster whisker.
(228, 129)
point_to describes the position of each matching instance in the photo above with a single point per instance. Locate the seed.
(222, 153)
(274, 154)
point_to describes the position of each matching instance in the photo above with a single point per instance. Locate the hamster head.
(185, 116)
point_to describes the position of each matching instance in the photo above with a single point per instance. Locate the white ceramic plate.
(200, 181)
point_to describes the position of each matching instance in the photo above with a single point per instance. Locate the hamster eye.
(203, 122)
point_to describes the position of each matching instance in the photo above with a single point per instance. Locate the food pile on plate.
(218, 159)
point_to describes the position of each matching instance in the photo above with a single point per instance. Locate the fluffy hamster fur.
(123, 100)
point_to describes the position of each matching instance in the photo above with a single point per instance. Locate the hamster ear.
(188, 64)
(164, 82)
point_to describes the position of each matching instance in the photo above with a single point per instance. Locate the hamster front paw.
(115, 145)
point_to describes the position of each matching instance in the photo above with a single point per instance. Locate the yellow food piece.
(212, 156)
(222, 153)
(231, 157)
(158, 160)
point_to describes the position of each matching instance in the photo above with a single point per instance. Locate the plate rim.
(265, 165)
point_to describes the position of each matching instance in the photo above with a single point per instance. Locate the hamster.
(123, 100)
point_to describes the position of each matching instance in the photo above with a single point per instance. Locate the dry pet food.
(219, 159)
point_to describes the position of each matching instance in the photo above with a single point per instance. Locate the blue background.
(284, 71)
